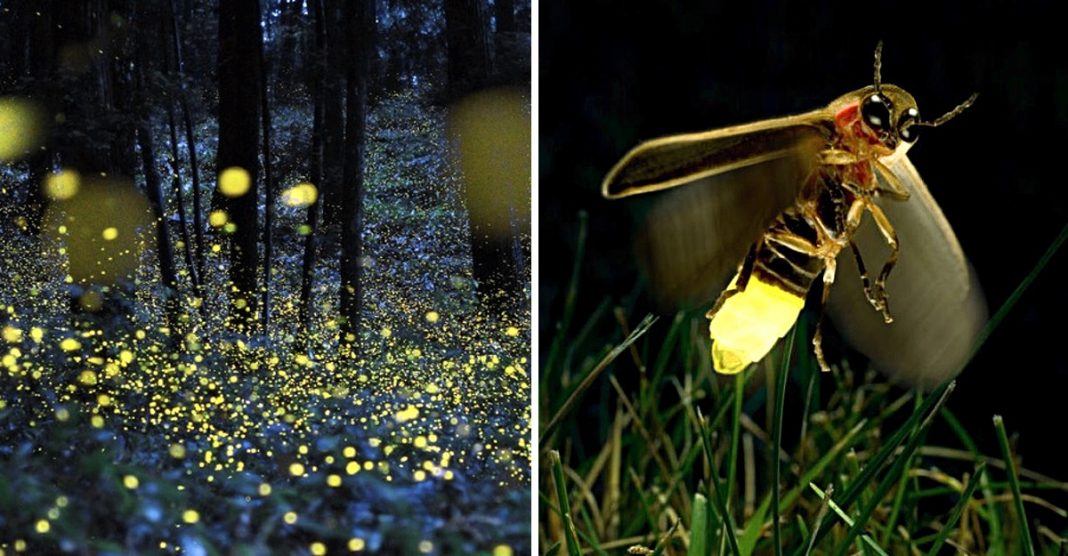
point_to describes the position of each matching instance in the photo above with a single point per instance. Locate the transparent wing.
(680, 159)
(934, 295)
(695, 236)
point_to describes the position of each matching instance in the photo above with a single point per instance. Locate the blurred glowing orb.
(217, 218)
(300, 195)
(234, 181)
(62, 185)
(491, 133)
(22, 128)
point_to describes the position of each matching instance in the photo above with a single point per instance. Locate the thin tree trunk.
(179, 199)
(333, 113)
(190, 140)
(360, 20)
(239, 132)
(268, 185)
(504, 11)
(311, 241)
(164, 249)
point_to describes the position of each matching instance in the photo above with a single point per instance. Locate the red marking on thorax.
(851, 132)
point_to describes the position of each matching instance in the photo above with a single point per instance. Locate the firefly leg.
(817, 338)
(863, 275)
(896, 190)
(891, 239)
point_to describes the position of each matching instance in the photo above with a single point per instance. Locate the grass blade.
(897, 469)
(699, 530)
(716, 488)
(587, 381)
(570, 535)
(776, 442)
(865, 538)
(1014, 482)
(958, 509)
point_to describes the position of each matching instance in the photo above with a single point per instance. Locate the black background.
(615, 73)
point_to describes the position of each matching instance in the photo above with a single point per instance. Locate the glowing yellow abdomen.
(749, 322)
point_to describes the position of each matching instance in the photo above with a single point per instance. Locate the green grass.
(658, 454)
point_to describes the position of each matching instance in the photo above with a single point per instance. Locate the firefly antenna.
(879, 67)
(951, 114)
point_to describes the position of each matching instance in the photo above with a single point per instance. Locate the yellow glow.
(265, 489)
(426, 547)
(749, 323)
(296, 469)
(62, 185)
(234, 181)
(130, 482)
(333, 480)
(290, 517)
(11, 334)
(22, 128)
(69, 344)
(217, 218)
(110, 233)
(502, 550)
(407, 414)
(432, 316)
(43, 526)
(356, 544)
(190, 516)
(317, 548)
(301, 195)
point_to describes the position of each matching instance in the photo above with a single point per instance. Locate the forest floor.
(120, 435)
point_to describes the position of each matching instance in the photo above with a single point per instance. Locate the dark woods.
(106, 74)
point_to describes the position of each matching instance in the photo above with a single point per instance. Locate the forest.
(265, 276)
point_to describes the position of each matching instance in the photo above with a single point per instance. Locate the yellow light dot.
(296, 469)
(265, 489)
(333, 480)
(301, 195)
(352, 468)
(110, 233)
(386, 332)
(97, 422)
(419, 475)
(432, 316)
(62, 185)
(217, 218)
(349, 452)
(190, 516)
(502, 550)
(357, 544)
(425, 547)
(43, 526)
(407, 414)
(234, 181)
(62, 414)
(130, 482)
(318, 548)
(290, 517)
(420, 442)
(177, 451)
(69, 344)
(215, 248)
(11, 334)
(36, 334)
(61, 501)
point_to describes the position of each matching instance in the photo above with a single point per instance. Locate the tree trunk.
(268, 186)
(494, 264)
(315, 172)
(333, 112)
(469, 50)
(190, 141)
(360, 21)
(504, 11)
(179, 200)
(239, 131)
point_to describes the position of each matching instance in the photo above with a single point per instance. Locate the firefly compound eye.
(876, 112)
(907, 129)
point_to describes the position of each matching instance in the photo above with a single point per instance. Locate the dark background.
(613, 74)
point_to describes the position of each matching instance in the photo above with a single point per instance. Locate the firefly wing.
(934, 295)
(736, 180)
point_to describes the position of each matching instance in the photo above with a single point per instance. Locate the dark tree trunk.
(311, 241)
(164, 248)
(504, 12)
(359, 17)
(239, 131)
(179, 200)
(268, 186)
(190, 141)
(333, 111)
(469, 50)
(494, 264)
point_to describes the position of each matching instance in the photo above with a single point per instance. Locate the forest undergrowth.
(121, 433)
